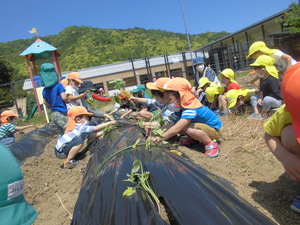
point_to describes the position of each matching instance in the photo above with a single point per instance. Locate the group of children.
(192, 111)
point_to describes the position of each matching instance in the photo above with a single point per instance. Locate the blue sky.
(51, 17)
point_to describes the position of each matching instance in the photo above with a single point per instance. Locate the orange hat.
(124, 94)
(74, 76)
(5, 114)
(183, 86)
(160, 82)
(291, 96)
(64, 82)
(72, 113)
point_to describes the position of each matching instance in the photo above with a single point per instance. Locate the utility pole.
(187, 35)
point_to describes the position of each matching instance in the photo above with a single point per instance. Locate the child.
(203, 71)
(159, 100)
(282, 61)
(126, 104)
(212, 95)
(270, 96)
(55, 98)
(196, 120)
(14, 208)
(236, 99)
(282, 130)
(143, 111)
(72, 90)
(204, 83)
(8, 128)
(71, 142)
(227, 78)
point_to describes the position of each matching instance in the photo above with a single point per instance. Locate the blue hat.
(142, 88)
(13, 207)
(198, 60)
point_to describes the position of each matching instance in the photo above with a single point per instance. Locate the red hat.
(183, 86)
(160, 82)
(72, 113)
(5, 114)
(291, 96)
(74, 76)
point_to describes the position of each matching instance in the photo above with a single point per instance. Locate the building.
(227, 52)
(231, 51)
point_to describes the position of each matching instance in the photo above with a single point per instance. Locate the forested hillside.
(82, 47)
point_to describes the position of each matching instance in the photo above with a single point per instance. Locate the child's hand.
(156, 139)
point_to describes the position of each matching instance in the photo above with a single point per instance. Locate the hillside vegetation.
(83, 46)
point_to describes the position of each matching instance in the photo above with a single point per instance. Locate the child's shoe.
(71, 164)
(212, 150)
(296, 204)
(186, 140)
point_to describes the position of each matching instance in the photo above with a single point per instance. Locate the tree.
(6, 71)
(291, 19)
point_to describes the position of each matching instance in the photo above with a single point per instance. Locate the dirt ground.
(244, 160)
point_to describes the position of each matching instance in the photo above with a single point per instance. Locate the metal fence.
(14, 98)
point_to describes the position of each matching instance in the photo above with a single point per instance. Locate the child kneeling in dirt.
(196, 120)
(71, 142)
(8, 128)
(283, 128)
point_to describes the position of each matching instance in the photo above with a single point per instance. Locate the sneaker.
(212, 150)
(71, 164)
(256, 116)
(186, 140)
(296, 204)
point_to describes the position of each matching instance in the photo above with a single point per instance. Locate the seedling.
(141, 181)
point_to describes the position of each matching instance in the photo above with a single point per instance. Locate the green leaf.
(129, 192)
(136, 166)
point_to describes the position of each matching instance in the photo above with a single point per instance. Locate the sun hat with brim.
(86, 86)
(260, 46)
(232, 96)
(13, 207)
(72, 113)
(268, 63)
(124, 94)
(74, 76)
(160, 82)
(139, 88)
(183, 86)
(198, 60)
(211, 92)
(229, 73)
(5, 114)
(291, 96)
(203, 81)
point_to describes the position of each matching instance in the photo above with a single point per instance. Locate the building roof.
(113, 68)
(281, 13)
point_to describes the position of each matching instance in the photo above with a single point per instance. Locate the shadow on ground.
(276, 197)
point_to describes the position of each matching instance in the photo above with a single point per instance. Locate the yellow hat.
(268, 63)
(203, 81)
(260, 46)
(212, 91)
(232, 96)
(229, 73)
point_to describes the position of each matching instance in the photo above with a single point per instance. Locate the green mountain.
(83, 46)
